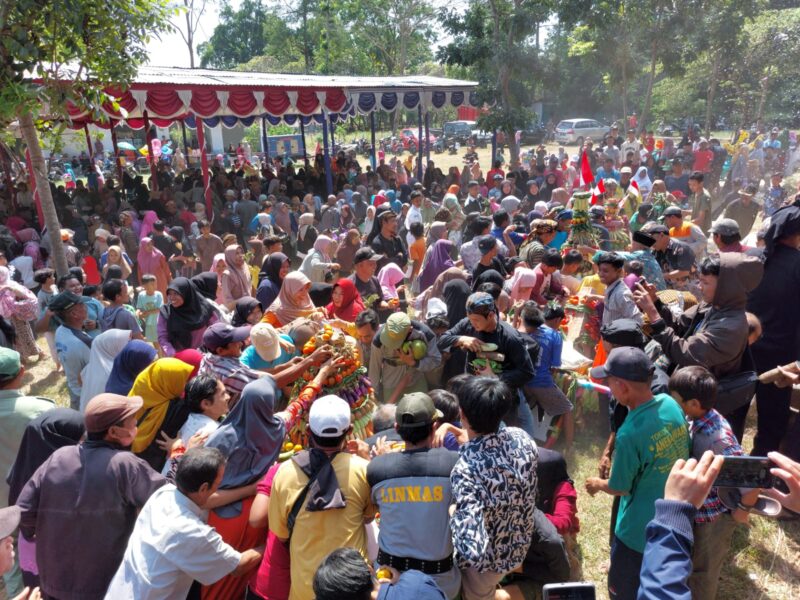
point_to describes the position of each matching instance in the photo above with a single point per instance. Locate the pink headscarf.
(522, 278)
(149, 257)
(240, 274)
(389, 277)
(146, 229)
(323, 245)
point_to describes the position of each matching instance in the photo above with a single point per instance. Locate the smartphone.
(568, 591)
(401, 297)
(746, 472)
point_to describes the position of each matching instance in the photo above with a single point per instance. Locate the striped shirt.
(233, 374)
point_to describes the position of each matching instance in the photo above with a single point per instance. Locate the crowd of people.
(184, 332)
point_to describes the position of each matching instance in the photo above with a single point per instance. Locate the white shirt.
(194, 422)
(171, 546)
(414, 215)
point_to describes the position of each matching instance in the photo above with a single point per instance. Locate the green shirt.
(16, 411)
(652, 438)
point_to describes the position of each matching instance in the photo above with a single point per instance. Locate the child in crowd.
(46, 279)
(416, 251)
(695, 389)
(148, 303)
(116, 315)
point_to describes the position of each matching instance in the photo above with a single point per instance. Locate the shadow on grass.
(49, 386)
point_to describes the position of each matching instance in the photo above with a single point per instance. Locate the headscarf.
(149, 257)
(435, 232)
(376, 223)
(522, 278)
(250, 437)
(784, 221)
(450, 202)
(119, 261)
(240, 274)
(454, 189)
(132, 360)
(192, 357)
(490, 276)
(281, 217)
(390, 276)
(27, 235)
(146, 228)
(206, 285)
(551, 471)
(351, 302)
(158, 385)
(456, 292)
(323, 246)
(95, 374)
(285, 308)
(305, 221)
(192, 315)
(244, 306)
(43, 435)
(436, 264)
(215, 262)
(642, 180)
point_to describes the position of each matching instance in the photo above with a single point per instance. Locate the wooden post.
(150, 157)
(201, 141)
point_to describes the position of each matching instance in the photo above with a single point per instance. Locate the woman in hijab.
(455, 294)
(642, 180)
(273, 271)
(192, 357)
(346, 302)
(457, 216)
(161, 386)
(19, 306)
(489, 276)
(436, 263)
(95, 374)
(437, 289)
(134, 358)
(522, 282)
(114, 257)
(550, 184)
(246, 311)
(345, 217)
(184, 318)
(318, 262)
(282, 217)
(306, 234)
(31, 246)
(390, 277)
(146, 227)
(235, 279)
(346, 252)
(438, 231)
(43, 435)
(151, 261)
(369, 222)
(251, 438)
(293, 301)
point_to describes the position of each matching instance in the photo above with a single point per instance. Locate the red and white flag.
(587, 178)
(633, 188)
(598, 191)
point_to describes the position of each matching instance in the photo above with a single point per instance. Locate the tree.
(496, 41)
(239, 36)
(193, 11)
(73, 49)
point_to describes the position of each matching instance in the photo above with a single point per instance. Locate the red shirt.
(564, 516)
(272, 580)
(702, 160)
(492, 173)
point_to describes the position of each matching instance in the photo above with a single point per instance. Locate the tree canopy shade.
(74, 49)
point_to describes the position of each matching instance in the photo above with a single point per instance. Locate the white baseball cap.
(265, 339)
(436, 308)
(329, 417)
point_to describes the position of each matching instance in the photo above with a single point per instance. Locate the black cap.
(628, 363)
(64, 301)
(673, 211)
(486, 243)
(623, 332)
(655, 228)
(643, 239)
(472, 183)
(158, 226)
(366, 253)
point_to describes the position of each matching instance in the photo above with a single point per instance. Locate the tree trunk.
(649, 96)
(712, 89)
(28, 130)
(762, 100)
(624, 98)
(306, 48)
(189, 33)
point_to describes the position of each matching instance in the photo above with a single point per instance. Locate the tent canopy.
(175, 94)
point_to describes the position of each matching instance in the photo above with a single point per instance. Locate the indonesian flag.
(597, 192)
(633, 188)
(587, 178)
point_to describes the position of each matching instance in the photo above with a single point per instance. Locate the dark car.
(535, 134)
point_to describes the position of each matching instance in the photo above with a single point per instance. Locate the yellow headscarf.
(159, 384)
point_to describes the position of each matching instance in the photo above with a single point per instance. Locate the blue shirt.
(497, 232)
(559, 240)
(250, 358)
(550, 344)
(613, 174)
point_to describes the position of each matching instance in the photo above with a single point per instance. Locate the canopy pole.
(89, 142)
(185, 141)
(201, 142)
(326, 155)
(150, 157)
(494, 149)
(117, 160)
(419, 142)
(427, 137)
(374, 156)
(34, 190)
(303, 139)
(264, 148)
(330, 130)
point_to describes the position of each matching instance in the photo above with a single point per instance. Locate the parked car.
(575, 131)
(669, 129)
(459, 130)
(480, 138)
(534, 134)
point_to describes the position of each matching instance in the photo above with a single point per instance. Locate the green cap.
(9, 363)
(64, 301)
(394, 332)
(416, 410)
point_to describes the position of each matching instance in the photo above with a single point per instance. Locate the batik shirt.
(494, 486)
(712, 432)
